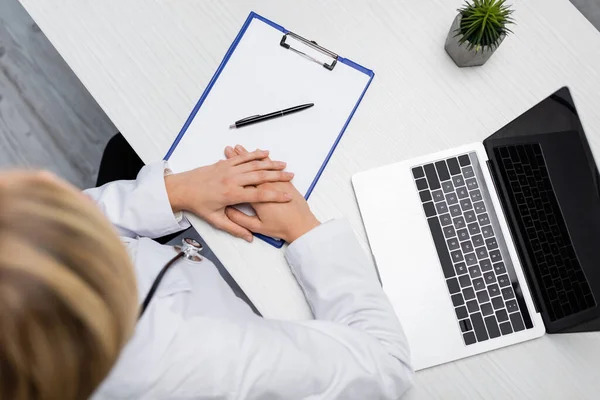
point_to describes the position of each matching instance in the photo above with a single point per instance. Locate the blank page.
(262, 77)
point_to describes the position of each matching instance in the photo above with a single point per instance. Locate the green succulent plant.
(484, 23)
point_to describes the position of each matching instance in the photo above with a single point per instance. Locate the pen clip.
(247, 118)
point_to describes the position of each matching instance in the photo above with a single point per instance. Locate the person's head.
(68, 299)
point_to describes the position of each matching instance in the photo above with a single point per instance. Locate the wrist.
(175, 191)
(301, 229)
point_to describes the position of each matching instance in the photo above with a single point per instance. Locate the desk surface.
(146, 63)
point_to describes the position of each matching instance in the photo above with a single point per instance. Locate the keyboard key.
(447, 187)
(512, 306)
(517, 321)
(483, 219)
(472, 306)
(485, 265)
(429, 209)
(491, 243)
(457, 300)
(469, 338)
(451, 198)
(421, 183)
(418, 172)
(453, 166)
(474, 272)
(503, 280)
(487, 231)
(479, 207)
(461, 312)
(502, 315)
(463, 234)
(440, 245)
(468, 172)
(462, 193)
(477, 240)
(499, 269)
(464, 160)
(438, 195)
(481, 252)
(505, 328)
(468, 293)
(470, 216)
(489, 277)
(465, 325)
(431, 175)
(466, 246)
(476, 195)
(482, 297)
(493, 290)
(449, 231)
(442, 170)
(492, 326)
(455, 210)
(456, 256)
(461, 268)
(471, 184)
(478, 284)
(445, 219)
(470, 259)
(479, 327)
(459, 222)
(495, 255)
(466, 205)
(464, 281)
(458, 181)
(441, 207)
(425, 195)
(486, 309)
(453, 286)
(497, 302)
(473, 228)
(508, 293)
(452, 244)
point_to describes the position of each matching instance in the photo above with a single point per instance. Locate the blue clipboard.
(278, 243)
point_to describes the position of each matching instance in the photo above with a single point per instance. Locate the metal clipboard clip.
(312, 44)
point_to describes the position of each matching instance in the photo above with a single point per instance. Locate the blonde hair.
(68, 299)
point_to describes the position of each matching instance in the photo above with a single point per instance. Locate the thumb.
(236, 216)
(225, 224)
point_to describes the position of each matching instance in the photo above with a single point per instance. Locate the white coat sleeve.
(355, 349)
(140, 207)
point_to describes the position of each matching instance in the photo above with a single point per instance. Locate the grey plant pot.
(459, 53)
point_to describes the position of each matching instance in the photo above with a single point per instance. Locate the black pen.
(258, 118)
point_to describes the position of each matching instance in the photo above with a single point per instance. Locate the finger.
(225, 224)
(237, 217)
(247, 157)
(239, 149)
(230, 152)
(252, 194)
(258, 177)
(260, 165)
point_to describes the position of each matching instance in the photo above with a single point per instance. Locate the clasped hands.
(244, 177)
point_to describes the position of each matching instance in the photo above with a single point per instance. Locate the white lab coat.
(197, 340)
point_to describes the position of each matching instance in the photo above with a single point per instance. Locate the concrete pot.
(459, 53)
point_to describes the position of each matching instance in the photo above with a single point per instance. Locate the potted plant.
(477, 31)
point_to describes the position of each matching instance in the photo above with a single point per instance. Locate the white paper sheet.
(262, 77)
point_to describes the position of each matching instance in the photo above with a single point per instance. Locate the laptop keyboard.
(563, 284)
(480, 281)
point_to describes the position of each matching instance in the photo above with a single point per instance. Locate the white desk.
(147, 62)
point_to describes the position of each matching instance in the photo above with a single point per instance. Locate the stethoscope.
(190, 250)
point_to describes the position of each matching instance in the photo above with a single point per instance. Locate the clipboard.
(268, 68)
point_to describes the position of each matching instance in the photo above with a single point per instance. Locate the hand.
(206, 191)
(287, 221)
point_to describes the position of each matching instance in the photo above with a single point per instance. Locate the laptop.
(490, 244)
